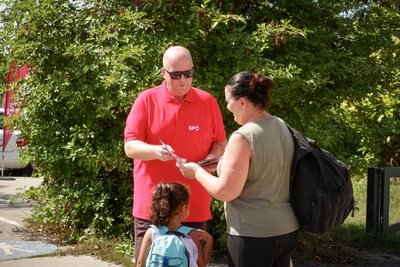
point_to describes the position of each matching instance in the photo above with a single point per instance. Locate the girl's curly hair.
(167, 198)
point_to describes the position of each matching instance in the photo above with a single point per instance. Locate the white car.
(9, 159)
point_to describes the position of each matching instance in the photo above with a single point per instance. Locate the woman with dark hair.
(253, 178)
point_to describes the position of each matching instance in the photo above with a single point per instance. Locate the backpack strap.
(160, 230)
(185, 229)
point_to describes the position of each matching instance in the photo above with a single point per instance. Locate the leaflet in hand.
(209, 164)
(170, 151)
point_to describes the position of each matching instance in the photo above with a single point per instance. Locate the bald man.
(185, 118)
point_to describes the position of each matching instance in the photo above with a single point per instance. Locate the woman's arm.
(233, 174)
(146, 243)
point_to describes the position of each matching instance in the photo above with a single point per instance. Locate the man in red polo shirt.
(186, 118)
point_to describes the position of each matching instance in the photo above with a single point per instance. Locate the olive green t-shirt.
(263, 208)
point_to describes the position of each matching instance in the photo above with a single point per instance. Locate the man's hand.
(163, 154)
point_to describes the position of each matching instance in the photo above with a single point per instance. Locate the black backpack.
(321, 191)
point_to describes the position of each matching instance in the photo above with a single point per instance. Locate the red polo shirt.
(189, 127)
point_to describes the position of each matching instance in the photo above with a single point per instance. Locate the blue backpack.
(167, 248)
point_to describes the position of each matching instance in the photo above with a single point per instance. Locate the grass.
(348, 230)
(106, 250)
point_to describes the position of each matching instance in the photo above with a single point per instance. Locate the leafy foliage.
(335, 66)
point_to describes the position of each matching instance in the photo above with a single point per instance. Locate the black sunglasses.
(176, 75)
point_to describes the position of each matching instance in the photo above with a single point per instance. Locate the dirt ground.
(368, 258)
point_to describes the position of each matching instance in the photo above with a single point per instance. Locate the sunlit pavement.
(13, 211)
(16, 252)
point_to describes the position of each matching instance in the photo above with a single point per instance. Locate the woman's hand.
(188, 169)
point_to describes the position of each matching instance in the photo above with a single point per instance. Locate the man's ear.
(163, 72)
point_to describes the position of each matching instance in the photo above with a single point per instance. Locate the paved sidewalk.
(65, 261)
(17, 252)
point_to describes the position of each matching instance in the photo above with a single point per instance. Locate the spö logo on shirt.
(194, 128)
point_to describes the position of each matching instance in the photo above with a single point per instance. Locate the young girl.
(169, 208)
